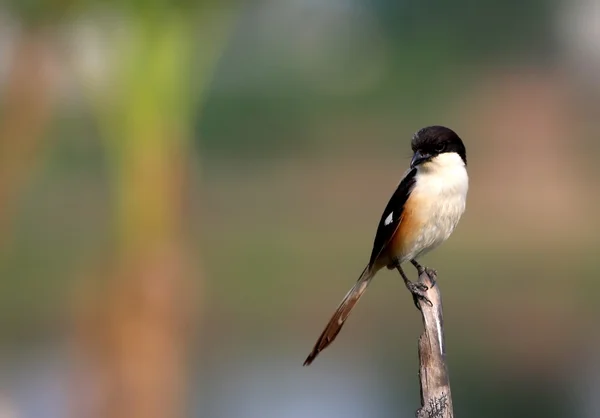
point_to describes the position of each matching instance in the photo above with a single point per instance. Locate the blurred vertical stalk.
(27, 108)
(139, 347)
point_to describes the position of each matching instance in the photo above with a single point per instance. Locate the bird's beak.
(419, 158)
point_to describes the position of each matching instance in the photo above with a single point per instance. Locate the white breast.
(441, 190)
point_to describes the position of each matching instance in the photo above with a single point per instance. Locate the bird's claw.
(418, 292)
(419, 287)
(432, 274)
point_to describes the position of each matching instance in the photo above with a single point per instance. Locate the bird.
(422, 213)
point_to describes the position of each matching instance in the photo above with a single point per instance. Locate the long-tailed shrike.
(421, 214)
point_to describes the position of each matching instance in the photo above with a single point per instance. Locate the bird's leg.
(430, 272)
(417, 289)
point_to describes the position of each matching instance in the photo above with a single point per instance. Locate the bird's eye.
(439, 148)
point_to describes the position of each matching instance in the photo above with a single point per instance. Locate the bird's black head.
(432, 141)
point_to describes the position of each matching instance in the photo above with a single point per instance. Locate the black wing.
(392, 215)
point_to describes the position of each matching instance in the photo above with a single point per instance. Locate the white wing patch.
(389, 219)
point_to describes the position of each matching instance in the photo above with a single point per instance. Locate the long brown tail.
(341, 314)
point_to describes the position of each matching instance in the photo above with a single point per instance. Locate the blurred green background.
(188, 189)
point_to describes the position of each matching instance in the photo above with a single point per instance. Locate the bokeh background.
(188, 189)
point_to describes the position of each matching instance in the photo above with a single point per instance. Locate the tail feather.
(341, 314)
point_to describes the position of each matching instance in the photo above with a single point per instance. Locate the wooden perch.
(436, 398)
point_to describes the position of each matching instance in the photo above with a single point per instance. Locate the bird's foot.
(418, 293)
(431, 273)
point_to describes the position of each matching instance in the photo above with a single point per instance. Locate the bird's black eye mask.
(420, 158)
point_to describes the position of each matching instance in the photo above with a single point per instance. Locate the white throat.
(448, 161)
(445, 174)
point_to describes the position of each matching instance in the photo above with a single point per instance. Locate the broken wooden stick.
(436, 398)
